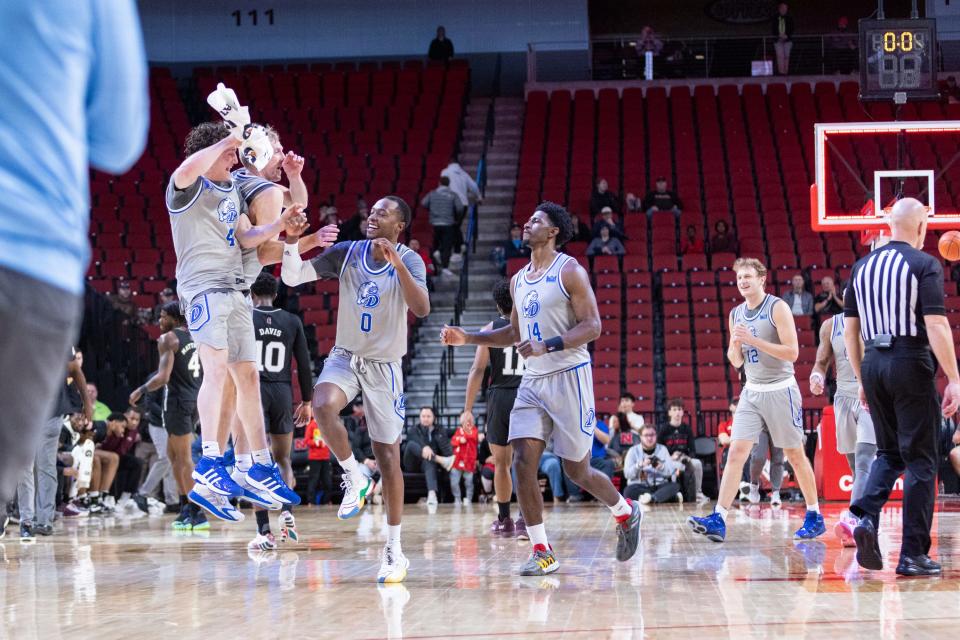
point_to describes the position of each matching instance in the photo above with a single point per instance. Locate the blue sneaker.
(215, 504)
(713, 526)
(267, 481)
(813, 526)
(250, 494)
(210, 473)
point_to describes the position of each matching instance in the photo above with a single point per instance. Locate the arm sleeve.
(304, 365)
(329, 263)
(117, 100)
(850, 297)
(931, 290)
(416, 267)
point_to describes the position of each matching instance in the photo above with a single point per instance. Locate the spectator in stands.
(581, 232)
(551, 467)
(829, 302)
(649, 41)
(462, 184)
(424, 254)
(441, 47)
(782, 28)
(444, 207)
(632, 203)
(122, 301)
(605, 244)
(951, 91)
(320, 469)
(677, 437)
(650, 471)
(123, 434)
(798, 298)
(661, 199)
(464, 441)
(599, 459)
(355, 228)
(511, 248)
(330, 215)
(954, 455)
(165, 296)
(607, 220)
(841, 48)
(625, 425)
(100, 410)
(723, 240)
(602, 197)
(725, 428)
(426, 450)
(693, 243)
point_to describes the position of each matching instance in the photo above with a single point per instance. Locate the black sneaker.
(141, 502)
(42, 529)
(628, 533)
(172, 508)
(868, 549)
(26, 533)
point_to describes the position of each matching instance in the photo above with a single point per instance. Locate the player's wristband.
(554, 344)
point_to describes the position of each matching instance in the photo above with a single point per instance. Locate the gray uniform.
(854, 424)
(771, 398)
(555, 397)
(371, 331)
(210, 277)
(250, 186)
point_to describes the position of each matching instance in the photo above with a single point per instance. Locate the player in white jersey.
(553, 320)
(763, 340)
(856, 438)
(205, 206)
(380, 280)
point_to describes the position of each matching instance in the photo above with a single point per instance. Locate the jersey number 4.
(194, 364)
(231, 240)
(272, 357)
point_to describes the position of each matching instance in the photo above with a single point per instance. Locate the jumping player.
(179, 375)
(280, 339)
(506, 372)
(554, 317)
(380, 280)
(856, 438)
(204, 206)
(763, 340)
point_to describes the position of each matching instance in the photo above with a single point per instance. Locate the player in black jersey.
(280, 340)
(506, 370)
(180, 375)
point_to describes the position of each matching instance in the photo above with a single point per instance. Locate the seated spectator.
(581, 232)
(951, 90)
(320, 468)
(693, 244)
(100, 410)
(607, 220)
(165, 296)
(605, 244)
(660, 199)
(444, 207)
(551, 467)
(841, 48)
(677, 437)
(355, 228)
(601, 198)
(122, 301)
(723, 240)
(954, 455)
(798, 298)
(511, 248)
(625, 426)
(441, 47)
(123, 434)
(329, 215)
(829, 302)
(464, 443)
(632, 203)
(650, 471)
(725, 428)
(599, 459)
(649, 41)
(424, 254)
(427, 448)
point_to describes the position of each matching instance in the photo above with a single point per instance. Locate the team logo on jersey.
(531, 304)
(400, 405)
(368, 294)
(587, 426)
(227, 211)
(551, 278)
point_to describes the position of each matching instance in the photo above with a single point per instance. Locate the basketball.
(949, 245)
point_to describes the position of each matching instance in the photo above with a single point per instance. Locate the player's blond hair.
(751, 263)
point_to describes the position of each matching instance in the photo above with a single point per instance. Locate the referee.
(894, 301)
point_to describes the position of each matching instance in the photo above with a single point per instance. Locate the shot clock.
(898, 57)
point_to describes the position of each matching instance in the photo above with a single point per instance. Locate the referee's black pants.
(903, 401)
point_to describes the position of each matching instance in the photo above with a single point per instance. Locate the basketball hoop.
(878, 236)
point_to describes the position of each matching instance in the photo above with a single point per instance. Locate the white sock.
(262, 456)
(350, 465)
(722, 512)
(244, 461)
(393, 535)
(622, 508)
(211, 449)
(538, 534)
(815, 507)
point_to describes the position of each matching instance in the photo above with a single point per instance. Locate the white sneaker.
(288, 527)
(754, 496)
(109, 502)
(432, 498)
(646, 498)
(702, 498)
(775, 500)
(356, 487)
(263, 542)
(393, 567)
(466, 502)
(680, 497)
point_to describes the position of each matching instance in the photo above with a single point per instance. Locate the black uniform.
(280, 338)
(180, 395)
(891, 289)
(506, 371)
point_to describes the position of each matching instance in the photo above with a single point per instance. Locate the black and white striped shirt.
(892, 288)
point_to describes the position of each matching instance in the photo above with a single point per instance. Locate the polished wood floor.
(117, 578)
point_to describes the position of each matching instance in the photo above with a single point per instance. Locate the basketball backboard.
(860, 164)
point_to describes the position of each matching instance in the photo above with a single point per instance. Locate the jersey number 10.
(272, 357)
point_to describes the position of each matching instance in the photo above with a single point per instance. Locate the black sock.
(183, 501)
(263, 522)
(288, 508)
(504, 508)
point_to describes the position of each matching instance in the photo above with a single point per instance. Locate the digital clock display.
(898, 56)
